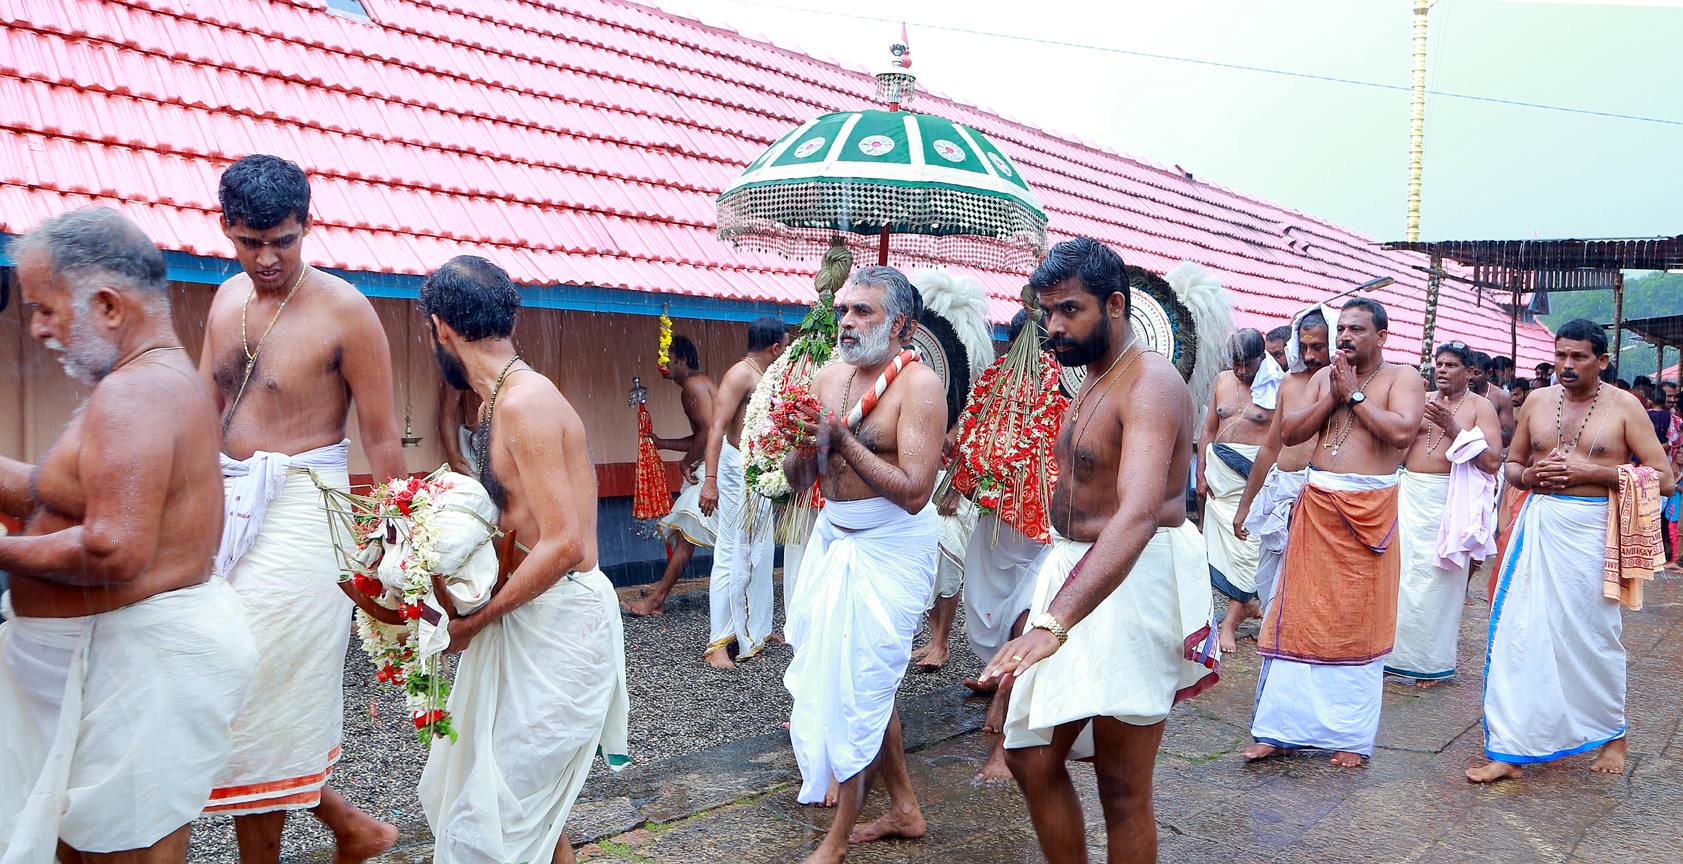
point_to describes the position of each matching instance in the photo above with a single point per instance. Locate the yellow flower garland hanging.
(663, 357)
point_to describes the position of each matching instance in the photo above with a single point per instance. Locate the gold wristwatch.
(1045, 621)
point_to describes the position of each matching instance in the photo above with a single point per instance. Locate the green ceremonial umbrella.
(931, 188)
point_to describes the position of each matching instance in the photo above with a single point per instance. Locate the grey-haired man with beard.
(122, 663)
(870, 565)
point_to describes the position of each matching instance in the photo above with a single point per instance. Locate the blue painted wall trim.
(213, 271)
(203, 270)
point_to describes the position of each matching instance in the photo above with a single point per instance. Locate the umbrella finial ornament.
(834, 270)
(896, 85)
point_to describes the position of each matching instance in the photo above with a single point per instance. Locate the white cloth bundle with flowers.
(408, 532)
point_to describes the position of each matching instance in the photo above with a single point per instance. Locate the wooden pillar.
(1513, 332)
(1434, 281)
(1618, 319)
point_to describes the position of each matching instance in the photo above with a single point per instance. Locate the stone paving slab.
(1410, 803)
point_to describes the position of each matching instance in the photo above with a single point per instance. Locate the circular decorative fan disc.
(931, 352)
(1152, 323)
(1070, 379)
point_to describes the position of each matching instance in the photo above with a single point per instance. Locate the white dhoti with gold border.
(686, 519)
(740, 592)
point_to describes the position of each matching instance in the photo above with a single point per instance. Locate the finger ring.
(1015, 658)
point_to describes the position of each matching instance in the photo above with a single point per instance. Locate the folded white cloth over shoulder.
(1469, 512)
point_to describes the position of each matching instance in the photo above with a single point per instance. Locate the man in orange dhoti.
(1333, 615)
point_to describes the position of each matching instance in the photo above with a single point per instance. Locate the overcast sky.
(1333, 150)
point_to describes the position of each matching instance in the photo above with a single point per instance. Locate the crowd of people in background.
(181, 606)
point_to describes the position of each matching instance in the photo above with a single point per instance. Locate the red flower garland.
(1006, 436)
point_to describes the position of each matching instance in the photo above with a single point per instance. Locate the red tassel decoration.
(653, 497)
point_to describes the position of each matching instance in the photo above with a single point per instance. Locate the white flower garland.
(394, 564)
(764, 461)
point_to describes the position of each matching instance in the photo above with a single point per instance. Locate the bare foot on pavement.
(995, 772)
(646, 605)
(1493, 771)
(1612, 758)
(1345, 759)
(907, 824)
(930, 657)
(366, 839)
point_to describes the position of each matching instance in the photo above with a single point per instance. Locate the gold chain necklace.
(847, 395)
(1081, 426)
(1336, 443)
(490, 410)
(1081, 395)
(1560, 416)
(1435, 435)
(245, 340)
(144, 353)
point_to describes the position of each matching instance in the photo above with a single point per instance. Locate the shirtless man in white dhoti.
(1430, 596)
(740, 593)
(868, 571)
(1120, 623)
(288, 349)
(1280, 471)
(122, 663)
(540, 685)
(1555, 669)
(686, 527)
(1235, 427)
(1000, 566)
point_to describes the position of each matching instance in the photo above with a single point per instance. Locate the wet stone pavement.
(734, 802)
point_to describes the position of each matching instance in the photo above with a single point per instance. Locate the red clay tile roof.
(580, 144)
